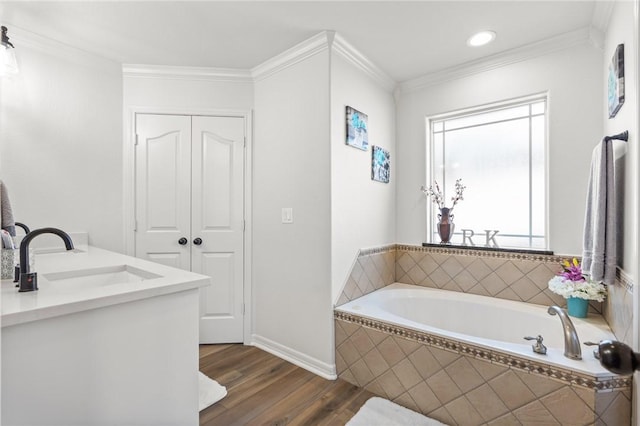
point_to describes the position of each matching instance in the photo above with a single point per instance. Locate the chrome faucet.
(571, 343)
(29, 280)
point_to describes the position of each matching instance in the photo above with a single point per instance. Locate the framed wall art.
(357, 129)
(380, 164)
(615, 90)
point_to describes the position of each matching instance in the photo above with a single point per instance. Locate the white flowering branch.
(436, 194)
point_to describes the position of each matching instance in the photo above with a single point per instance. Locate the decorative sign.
(490, 235)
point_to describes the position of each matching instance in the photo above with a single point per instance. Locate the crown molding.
(22, 38)
(351, 54)
(502, 59)
(301, 51)
(602, 15)
(186, 73)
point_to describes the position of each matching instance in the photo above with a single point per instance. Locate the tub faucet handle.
(537, 347)
(596, 351)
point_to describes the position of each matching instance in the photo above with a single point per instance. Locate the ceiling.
(405, 39)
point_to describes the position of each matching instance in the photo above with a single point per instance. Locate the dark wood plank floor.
(263, 389)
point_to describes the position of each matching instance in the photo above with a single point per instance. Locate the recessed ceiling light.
(481, 38)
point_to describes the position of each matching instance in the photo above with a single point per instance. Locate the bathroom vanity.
(107, 339)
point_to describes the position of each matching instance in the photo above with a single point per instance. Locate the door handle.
(197, 241)
(182, 241)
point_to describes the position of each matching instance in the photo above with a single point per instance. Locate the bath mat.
(382, 412)
(209, 391)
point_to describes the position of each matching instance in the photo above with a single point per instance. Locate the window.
(499, 153)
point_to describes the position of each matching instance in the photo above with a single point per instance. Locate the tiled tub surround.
(618, 308)
(464, 384)
(373, 269)
(437, 389)
(501, 274)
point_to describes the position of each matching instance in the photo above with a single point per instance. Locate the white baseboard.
(322, 369)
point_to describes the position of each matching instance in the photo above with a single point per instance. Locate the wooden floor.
(265, 390)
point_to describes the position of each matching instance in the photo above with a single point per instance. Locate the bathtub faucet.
(571, 343)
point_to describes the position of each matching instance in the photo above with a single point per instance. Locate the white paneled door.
(190, 209)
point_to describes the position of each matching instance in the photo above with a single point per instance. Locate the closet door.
(217, 224)
(163, 189)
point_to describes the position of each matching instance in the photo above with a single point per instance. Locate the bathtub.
(492, 324)
(461, 359)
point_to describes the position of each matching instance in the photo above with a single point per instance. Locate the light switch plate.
(287, 215)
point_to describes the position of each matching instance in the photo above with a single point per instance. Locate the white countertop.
(50, 300)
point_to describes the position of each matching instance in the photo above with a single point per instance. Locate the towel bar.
(624, 136)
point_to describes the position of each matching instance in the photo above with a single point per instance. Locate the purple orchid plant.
(572, 271)
(572, 282)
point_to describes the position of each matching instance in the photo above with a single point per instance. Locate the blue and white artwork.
(615, 90)
(357, 135)
(380, 164)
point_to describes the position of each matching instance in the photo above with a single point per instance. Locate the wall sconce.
(8, 63)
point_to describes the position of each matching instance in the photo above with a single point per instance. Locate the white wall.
(292, 168)
(186, 94)
(573, 79)
(621, 30)
(362, 210)
(60, 140)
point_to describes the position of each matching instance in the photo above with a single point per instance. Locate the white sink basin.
(98, 277)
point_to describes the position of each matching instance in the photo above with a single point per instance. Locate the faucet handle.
(596, 351)
(537, 347)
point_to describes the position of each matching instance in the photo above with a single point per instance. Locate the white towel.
(599, 239)
(209, 391)
(6, 214)
(382, 412)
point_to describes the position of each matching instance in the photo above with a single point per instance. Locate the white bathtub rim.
(554, 357)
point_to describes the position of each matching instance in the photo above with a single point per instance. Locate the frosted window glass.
(538, 108)
(538, 184)
(500, 157)
(487, 117)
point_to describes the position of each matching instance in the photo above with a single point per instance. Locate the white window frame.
(429, 143)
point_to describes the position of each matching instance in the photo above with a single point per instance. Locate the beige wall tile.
(535, 414)
(391, 385)
(361, 341)
(348, 352)
(406, 373)
(463, 412)
(618, 412)
(390, 351)
(375, 362)
(511, 390)
(424, 362)
(464, 375)
(486, 369)
(558, 401)
(487, 402)
(424, 398)
(539, 385)
(361, 373)
(407, 346)
(443, 387)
